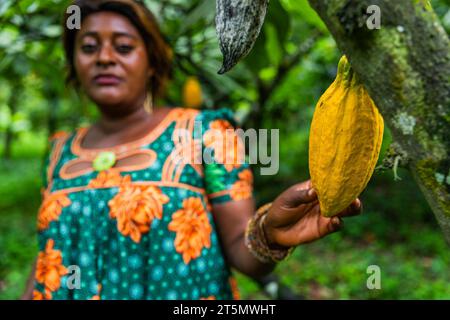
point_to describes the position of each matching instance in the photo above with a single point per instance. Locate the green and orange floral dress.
(142, 229)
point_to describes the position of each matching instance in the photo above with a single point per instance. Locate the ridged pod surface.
(238, 23)
(345, 141)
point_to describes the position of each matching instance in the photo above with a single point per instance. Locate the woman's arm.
(231, 219)
(28, 294)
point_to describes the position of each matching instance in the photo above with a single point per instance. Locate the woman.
(122, 217)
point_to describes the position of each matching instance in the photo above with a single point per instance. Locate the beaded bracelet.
(256, 242)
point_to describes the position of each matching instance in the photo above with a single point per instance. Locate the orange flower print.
(242, 189)
(37, 295)
(135, 207)
(49, 268)
(109, 178)
(228, 147)
(209, 298)
(234, 288)
(192, 227)
(97, 296)
(51, 208)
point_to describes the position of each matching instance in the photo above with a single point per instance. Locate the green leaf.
(5, 5)
(8, 36)
(205, 10)
(273, 45)
(5, 118)
(52, 30)
(21, 65)
(226, 82)
(257, 59)
(269, 47)
(302, 9)
(19, 122)
(267, 74)
(279, 17)
(32, 7)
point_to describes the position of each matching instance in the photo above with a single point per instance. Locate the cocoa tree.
(405, 66)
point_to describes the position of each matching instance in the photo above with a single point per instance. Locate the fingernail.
(311, 192)
(336, 221)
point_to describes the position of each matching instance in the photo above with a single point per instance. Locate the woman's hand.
(295, 218)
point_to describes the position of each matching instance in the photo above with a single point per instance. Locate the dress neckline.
(152, 135)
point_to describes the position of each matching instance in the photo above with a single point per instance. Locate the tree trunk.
(405, 66)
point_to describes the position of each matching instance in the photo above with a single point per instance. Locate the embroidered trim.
(54, 158)
(185, 145)
(229, 192)
(144, 183)
(132, 167)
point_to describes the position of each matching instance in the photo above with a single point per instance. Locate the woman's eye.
(124, 49)
(88, 48)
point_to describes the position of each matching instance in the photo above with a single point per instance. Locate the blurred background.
(276, 86)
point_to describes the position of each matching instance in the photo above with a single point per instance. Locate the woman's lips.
(107, 80)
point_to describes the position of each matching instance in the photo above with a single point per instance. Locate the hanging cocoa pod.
(238, 23)
(345, 140)
(192, 93)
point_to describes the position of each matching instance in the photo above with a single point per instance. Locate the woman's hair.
(158, 49)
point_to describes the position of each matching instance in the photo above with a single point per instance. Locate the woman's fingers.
(312, 227)
(292, 205)
(298, 194)
(295, 216)
(354, 209)
(334, 224)
(322, 227)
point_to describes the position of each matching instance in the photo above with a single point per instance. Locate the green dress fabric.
(144, 228)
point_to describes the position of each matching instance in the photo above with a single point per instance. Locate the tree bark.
(405, 66)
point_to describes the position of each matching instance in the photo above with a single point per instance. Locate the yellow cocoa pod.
(192, 93)
(344, 143)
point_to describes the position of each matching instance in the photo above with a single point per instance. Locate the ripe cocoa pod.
(345, 140)
(238, 23)
(192, 93)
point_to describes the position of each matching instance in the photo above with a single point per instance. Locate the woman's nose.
(106, 55)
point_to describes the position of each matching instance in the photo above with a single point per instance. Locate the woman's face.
(111, 63)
